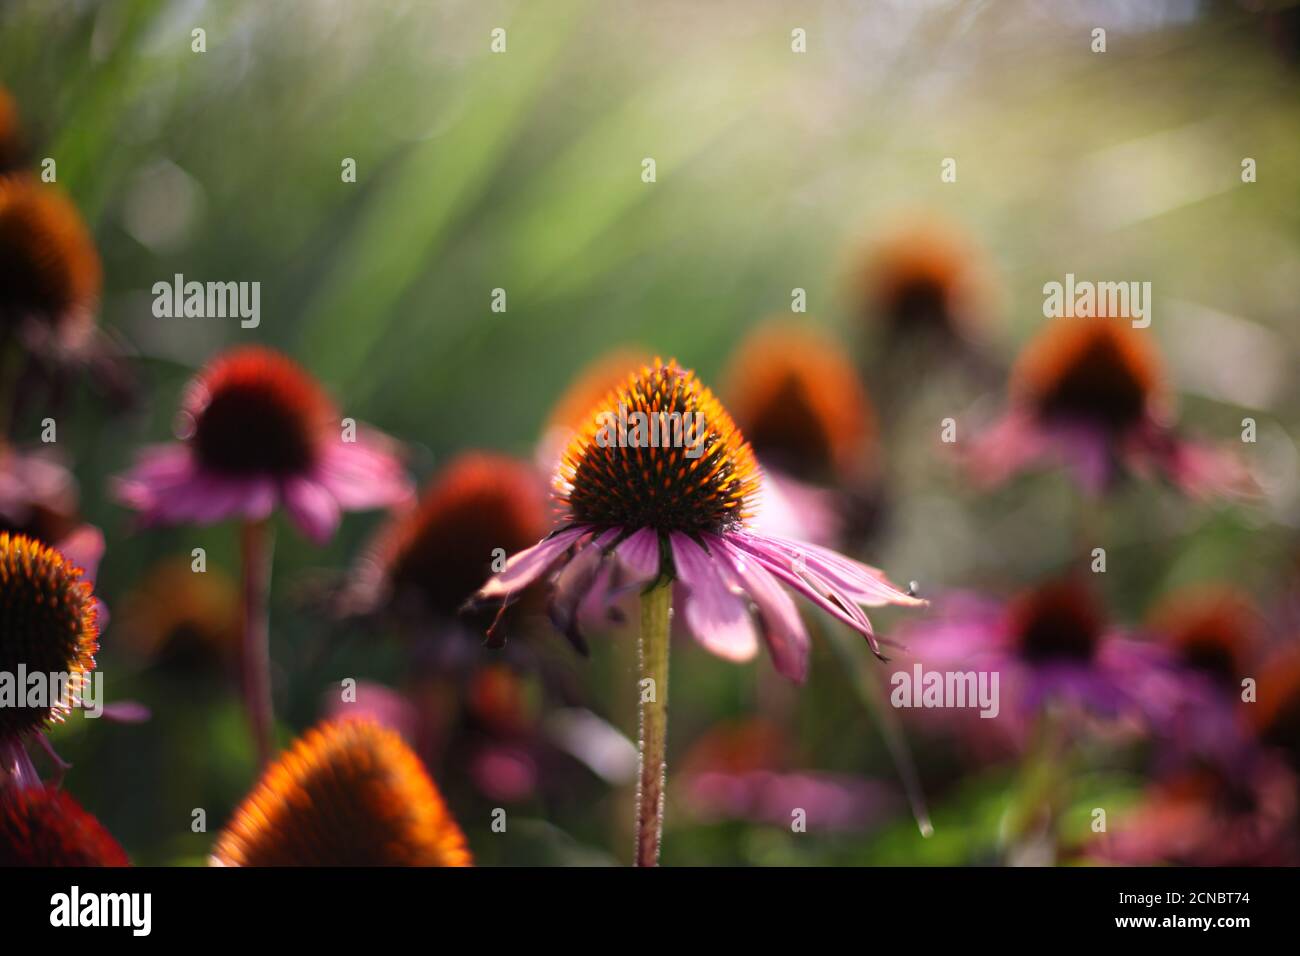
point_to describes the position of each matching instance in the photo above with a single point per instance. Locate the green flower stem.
(257, 542)
(656, 615)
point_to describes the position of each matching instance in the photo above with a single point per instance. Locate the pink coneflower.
(257, 432)
(50, 274)
(1089, 393)
(1051, 646)
(924, 279)
(654, 511)
(177, 620)
(428, 559)
(1277, 714)
(1203, 816)
(1214, 634)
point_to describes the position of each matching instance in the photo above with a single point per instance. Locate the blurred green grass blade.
(401, 230)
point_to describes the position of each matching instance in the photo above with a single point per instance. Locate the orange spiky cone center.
(659, 452)
(348, 793)
(47, 626)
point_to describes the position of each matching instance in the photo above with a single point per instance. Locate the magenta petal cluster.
(722, 577)
(257, 434)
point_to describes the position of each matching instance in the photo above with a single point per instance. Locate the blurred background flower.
(776, 172)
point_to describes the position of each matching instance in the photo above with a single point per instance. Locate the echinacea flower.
(1051, 646)
(1204, 816)
(428, 559)
(925, 280)
(48, 626)
(1214, 635)
(256, 433)
(49, 268)
(1090, 393)
(680, 512)
(43, 826)
(806, 413)
(659, 486)
(347, 793)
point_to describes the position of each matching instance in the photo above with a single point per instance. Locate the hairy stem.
(656, 614)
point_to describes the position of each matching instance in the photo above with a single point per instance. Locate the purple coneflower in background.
(1050, 646)
(257, 432)
(1089, 393)
(925, 280)
(1215, 637)
(652, 507)
(809, 419)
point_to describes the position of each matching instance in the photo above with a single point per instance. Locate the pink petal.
(84, 547)
(574, 582)
(867, 586)
(364, 474)
(525, 567)
(788, 508)
(168, 486)
(809, 584)
(715, 615)
(126, 712)
(312, 508)
(639, 555)
(783, 629)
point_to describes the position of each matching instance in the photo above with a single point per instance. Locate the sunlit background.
(775, 170)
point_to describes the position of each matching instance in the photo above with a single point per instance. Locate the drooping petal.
(525, 567)
(312, 508)
(714, 613)
(639, 554)
(364, 474)
(573, 583)
(168, 486)
(1198, 470)
(808, 583)
(783, 629)
(867, 586)
(158, 472)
